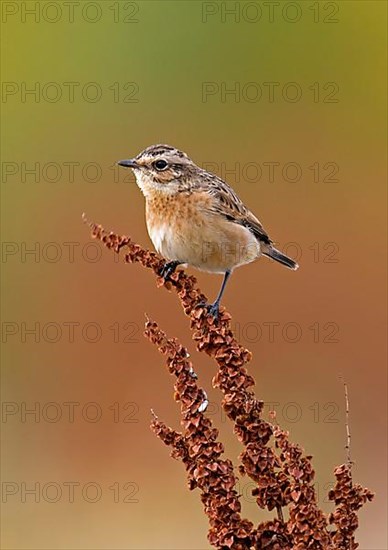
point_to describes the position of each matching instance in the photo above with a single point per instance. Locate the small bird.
(195, 218)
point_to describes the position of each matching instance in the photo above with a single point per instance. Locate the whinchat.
(195, 218)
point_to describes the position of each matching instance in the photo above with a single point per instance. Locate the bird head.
(161, 168)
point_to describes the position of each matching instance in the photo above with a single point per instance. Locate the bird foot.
(212, 309)
(168, 269)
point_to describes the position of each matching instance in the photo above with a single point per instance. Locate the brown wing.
(229, 205)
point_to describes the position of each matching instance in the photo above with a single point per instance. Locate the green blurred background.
(147, 72)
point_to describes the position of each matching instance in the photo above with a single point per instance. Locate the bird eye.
(160, 165)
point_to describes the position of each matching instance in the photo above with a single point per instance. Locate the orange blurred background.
(83, 89)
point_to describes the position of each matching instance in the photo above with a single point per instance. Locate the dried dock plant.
(283, 474)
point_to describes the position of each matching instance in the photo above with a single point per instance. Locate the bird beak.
(130, 163)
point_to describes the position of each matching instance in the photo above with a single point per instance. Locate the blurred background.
(286, 101)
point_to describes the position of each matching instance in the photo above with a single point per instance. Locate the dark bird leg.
(168, 269)
(214, 308)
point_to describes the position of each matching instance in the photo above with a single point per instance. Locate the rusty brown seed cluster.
(283, 474)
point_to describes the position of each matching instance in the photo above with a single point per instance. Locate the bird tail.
(273, 253)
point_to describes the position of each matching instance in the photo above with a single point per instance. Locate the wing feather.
(227, 204)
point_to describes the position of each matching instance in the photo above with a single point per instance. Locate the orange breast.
(183, 228)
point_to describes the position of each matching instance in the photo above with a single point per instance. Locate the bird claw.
(212, 309)
(168, 269)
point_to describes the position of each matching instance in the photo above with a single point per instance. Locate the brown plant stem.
(199, 449)
(282, 473)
